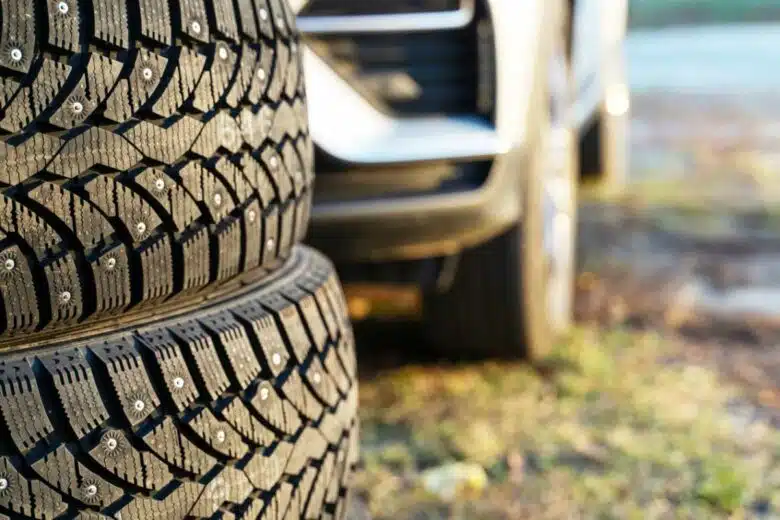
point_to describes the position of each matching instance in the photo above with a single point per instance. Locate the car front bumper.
(416, 223)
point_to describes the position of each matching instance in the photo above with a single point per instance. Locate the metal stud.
(110, 263)
(220, 436)
(139, 405)
(317, 378)
(261, 74)
(159, 184)
(3, 484)
(274, 162)
(223, 53)
(264, 394)
(112, 444)
(10, 264)
(147, 73)
(270, 243)
(196, 27)
(63, 7)
(141, 228)
(263, 15)
(16, 54)
(91, 490)
(276, 358)
(217, 199)
(65, 297)
(178, 383)
(77, 107)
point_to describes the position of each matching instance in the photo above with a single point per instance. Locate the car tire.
(243, 408)
(151, 151)
(498, 301)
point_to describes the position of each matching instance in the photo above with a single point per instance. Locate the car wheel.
(152, 151)
(513, 296)
(242, 408)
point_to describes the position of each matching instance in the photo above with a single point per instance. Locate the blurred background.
(665, 401)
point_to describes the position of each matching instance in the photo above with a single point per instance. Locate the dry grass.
(614, 426)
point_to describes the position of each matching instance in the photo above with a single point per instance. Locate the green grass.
(614, 429)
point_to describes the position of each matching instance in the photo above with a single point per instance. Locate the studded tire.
(244, 408)
(150, 150)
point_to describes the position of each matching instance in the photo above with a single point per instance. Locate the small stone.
(10, 264)
(456, 481)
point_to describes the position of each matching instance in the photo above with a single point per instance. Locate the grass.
(614, 426)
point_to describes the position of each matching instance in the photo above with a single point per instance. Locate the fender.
(598, 60)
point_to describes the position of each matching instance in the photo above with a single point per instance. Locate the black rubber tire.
(604, 150)
(149, 149)
(193, 416)
(493, 306)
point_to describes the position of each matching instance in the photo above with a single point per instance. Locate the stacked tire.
(167, 349)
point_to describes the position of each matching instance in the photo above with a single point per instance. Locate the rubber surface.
(245, 409)
(148, 149)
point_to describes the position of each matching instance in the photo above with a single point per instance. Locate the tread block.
(167, 441)
(268, 404)
(267, 333)
(24, 413)
(209, 367)
(64, 472)
(17, 291)
(291, 324)
(29, 497)
(240, 418)
(169, 360)
(265, 470)
(130, 380)
(219, 435)
(116, 453)
(235, 345)
(75, 384)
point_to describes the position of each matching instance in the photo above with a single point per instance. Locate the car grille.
(418, 73)
(368, 7)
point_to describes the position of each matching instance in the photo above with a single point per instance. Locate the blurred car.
(451, 138)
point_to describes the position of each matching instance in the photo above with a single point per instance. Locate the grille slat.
(437, 71)
(374, 7)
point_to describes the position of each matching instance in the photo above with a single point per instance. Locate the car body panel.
(348, 128)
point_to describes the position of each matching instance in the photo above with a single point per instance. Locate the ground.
(663, 403)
